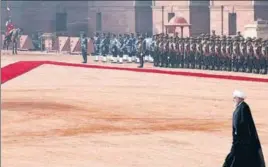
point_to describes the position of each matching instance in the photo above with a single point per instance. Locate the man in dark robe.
(246, 149)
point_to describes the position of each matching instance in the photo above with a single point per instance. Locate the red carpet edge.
(19, 68)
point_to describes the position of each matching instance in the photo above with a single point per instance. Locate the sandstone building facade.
(225, 17)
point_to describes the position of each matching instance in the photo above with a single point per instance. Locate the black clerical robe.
(246, 149)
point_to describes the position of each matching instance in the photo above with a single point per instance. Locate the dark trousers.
(141, 57)
(14, 47)
(84, 54)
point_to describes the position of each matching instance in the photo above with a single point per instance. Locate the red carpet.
(14, 70)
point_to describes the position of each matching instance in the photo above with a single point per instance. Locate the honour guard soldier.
(158, 51)
(105, 47)
(141, 51)
(172, 52)
(187, 48)
(224, 56)
(236, 54)
(199, 53)
(165, 55)
(263, 60)
(205, 64)
(257, 56)
(177, 50)
(162, 50)
(211, 57)
(181, 53)
(114, 48)
(153, 49)
(242, 58)
(96, 43)
(193, 49)
(84, 47)
(249, 56)
(229, 49)
(218, 54)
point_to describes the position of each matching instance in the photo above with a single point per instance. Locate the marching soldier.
(130, 47)
(105, 47)
(114, 48)
(96, 43)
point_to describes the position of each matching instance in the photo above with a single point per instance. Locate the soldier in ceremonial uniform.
(130, 47)
(199, 53)
(181, 53)
(96, 43)
(249, 55)
(187, 48)
(257, 57)
(223, 57)
(141, 51)
(84, 47)
(161, 50)
(213, 34)
(153, 49)
(217, 54)
(165, 55)
(242, 59)
(263, 59)
(114, 47)
(192, 54)
(212, 54)
(172, 52)
(177, 50)
(206, 55)
(236, 55)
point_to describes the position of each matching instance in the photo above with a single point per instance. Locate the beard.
(235, 104)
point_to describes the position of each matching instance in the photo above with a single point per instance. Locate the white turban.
(239, 94)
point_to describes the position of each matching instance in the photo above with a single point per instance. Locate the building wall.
(180, 8)
(199, 17)
(243, 9)
(124, 17)
(117, 16)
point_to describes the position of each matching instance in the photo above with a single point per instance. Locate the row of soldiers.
(204, 52)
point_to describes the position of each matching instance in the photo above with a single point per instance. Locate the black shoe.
(140, 66)
(84, 62)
